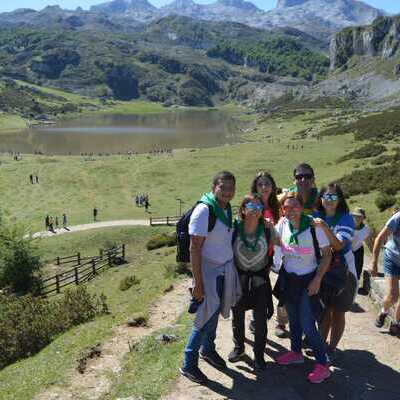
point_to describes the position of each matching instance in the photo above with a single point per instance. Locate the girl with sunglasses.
(252, 238)
(299, 283)
(338, 224)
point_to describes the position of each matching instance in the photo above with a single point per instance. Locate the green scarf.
(209, 198)
(243, 236)
(305, 223)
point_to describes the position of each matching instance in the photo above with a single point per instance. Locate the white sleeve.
(198, 224)
(323, 240)
(364, 233)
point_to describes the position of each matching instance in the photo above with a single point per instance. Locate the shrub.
(174, 270)
(28, 324)
(369, 150)
(161, 240)
(385, 201)
(127, 282)
(19, 260)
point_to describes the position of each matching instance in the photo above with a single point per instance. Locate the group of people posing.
(310, 238)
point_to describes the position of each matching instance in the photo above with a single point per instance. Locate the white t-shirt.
(217, 247)
(359, 236)
(300, 259)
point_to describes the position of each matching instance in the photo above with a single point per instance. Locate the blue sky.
(8, 5)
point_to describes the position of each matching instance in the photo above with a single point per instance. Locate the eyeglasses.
(330, 197)
(300, 177)
(264, 182)
(254, 206)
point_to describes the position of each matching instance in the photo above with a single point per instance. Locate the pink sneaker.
(290, 358)
(320, 373)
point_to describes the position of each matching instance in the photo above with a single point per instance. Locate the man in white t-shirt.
(216, 282)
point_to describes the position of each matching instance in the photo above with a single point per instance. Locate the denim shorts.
(390, 267)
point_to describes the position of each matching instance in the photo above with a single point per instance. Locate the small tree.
(385, 201)
(19, 260)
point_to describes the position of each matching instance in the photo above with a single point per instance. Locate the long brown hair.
(273, 202)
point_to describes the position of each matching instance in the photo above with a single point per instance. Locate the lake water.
(122, 133)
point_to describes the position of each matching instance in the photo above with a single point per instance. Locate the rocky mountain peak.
(239, 4)
(123, 6)
(290, 3)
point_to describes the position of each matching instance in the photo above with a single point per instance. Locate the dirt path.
(367, 368)
(94, 225)
(96, 380)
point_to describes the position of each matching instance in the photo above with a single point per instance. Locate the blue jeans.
(302, 320)
(204, 337)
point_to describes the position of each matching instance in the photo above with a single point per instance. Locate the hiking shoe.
(281, 332)
(394, 329)
(260, 364)
(290, 358)
(194, 374)
(214, 359)
(320, 373)
(236, 355)
(252, 326)
(380, 320)
(332, 354)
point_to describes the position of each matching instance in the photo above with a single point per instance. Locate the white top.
(300, 259)
(359, 236)
(217, 247)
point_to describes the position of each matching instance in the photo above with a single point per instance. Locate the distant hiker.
(65, 221)
(57, 224)
(146, 203)
(51, 224)
(37, 179)
(95, 213)
(31, 178)
(215, 277)
(47, 222)
(389, 236)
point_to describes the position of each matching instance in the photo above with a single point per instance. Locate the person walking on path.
(95, 213)
(31, 179)
(216, 282)
(390, 234)
(65, 221)
(362, 234)
(57, 222)
(338, 224)
(51, 224)
(47, 222)
(146, 203)
(252, 241)
(299, 283)
(37, 179)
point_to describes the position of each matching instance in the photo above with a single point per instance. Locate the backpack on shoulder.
(182, 232)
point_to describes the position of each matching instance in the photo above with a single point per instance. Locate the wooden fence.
(85, 270)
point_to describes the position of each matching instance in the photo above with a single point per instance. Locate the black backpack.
(182, 232)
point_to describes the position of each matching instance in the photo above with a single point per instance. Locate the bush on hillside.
(127, 282)
(369, 150)
(28, 324)
(19, 261)
(161, 240)
(385, 201)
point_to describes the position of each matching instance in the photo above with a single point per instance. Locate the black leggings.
(359, 261)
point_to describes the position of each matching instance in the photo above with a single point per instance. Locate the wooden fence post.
(151, 221)
(76, 276)
(79, 258)
(123, 251)
(57, 283)
(58, 261)
(167, 220)
(94, 266)
(109, 259)
(101, 254)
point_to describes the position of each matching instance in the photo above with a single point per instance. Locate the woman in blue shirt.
(338, 224)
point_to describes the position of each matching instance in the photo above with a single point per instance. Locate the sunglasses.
(254, 206)
(264, 182)
(288, 208)
(330, 197)
(300, 177)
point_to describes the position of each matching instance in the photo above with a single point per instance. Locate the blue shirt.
(392, 246)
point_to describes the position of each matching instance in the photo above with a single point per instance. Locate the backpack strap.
(212, 218)
(317, 250)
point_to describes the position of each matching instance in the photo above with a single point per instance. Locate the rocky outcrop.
(381, 39)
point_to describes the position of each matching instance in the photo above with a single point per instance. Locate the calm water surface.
(117, 133)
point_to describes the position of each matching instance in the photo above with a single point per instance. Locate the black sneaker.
(260, 364)
(394, 329)
(236, 355)
(195, 375)
(214, 359)
(380, 321)
(252, 326)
